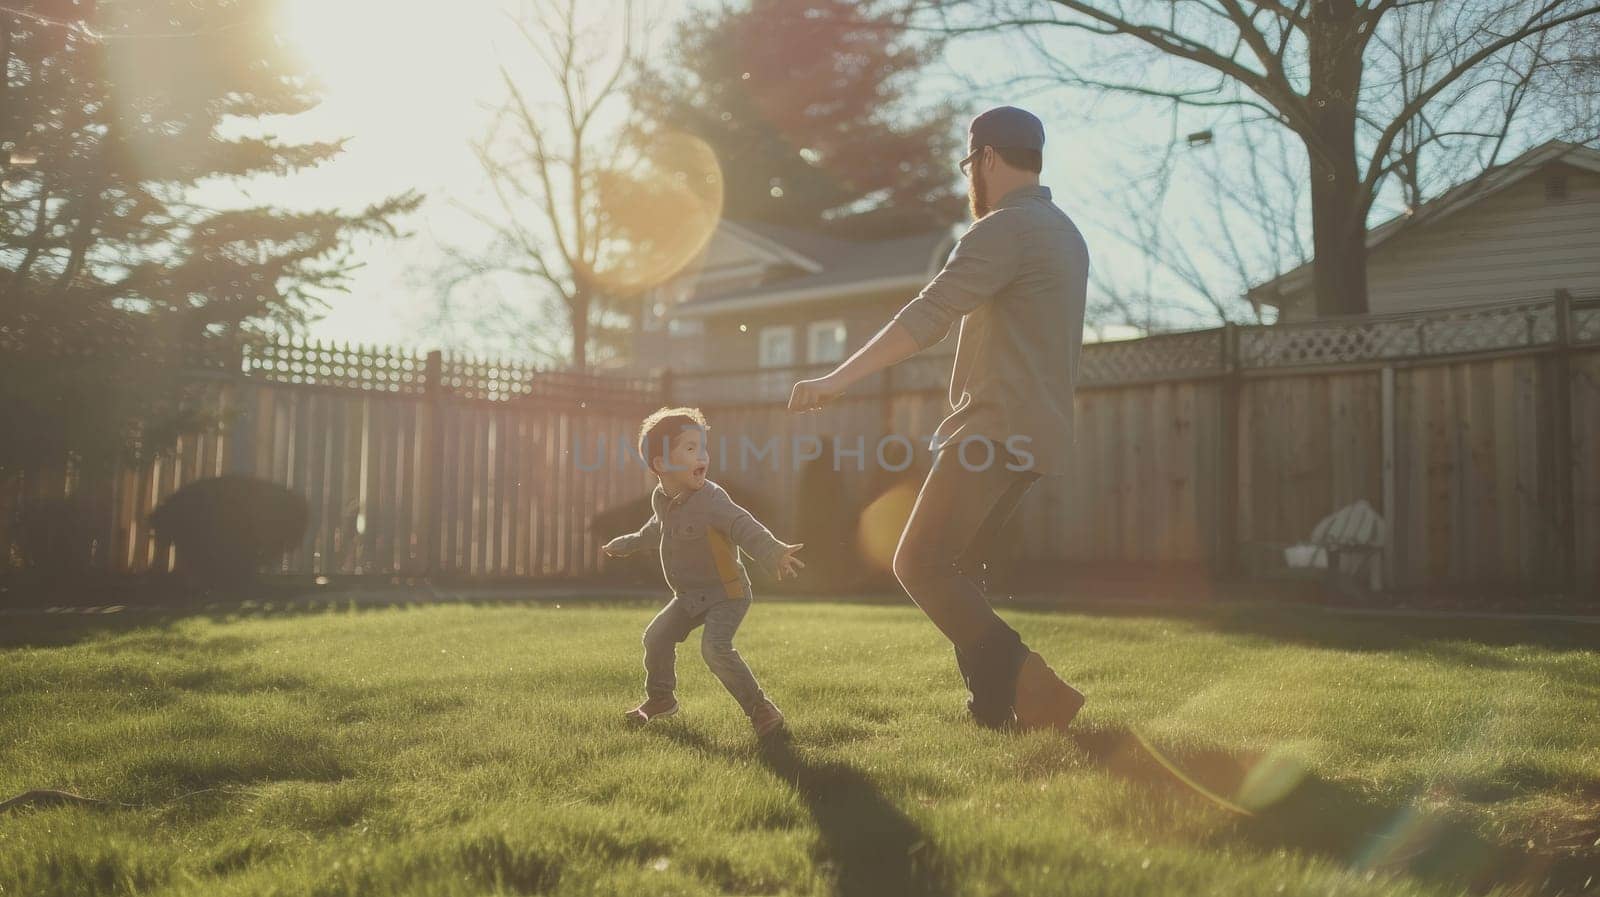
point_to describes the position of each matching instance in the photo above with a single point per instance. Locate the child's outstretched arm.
(647, 535)
(745, 531)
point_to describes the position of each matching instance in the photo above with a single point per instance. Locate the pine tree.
(112, 115)
(807, 106)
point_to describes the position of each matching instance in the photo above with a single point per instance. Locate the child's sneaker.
(651, 709)
(1043, 700)
(766, 719)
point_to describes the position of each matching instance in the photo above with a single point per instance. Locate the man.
(1016, 280)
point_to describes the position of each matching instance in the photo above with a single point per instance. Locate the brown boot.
(1043, 700)
(652, 708)
(766, 719)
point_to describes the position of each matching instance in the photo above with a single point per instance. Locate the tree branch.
(1175, 44)
(1531, 27)
(541, 157)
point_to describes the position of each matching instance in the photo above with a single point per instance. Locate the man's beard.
(978, 194)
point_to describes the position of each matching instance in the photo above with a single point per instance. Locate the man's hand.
(811, 395)
(611, 552)
(790, 564)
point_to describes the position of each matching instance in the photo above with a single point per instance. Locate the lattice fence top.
(1168, 356)
(766, 386)
(402, 372)
(498, 381)
(1499, 327)
(1396, 337)
(476, 378)
(326, 364)
(1586, 322)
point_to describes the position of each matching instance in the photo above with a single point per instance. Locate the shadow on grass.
(873, 848)
(1458, 640)
(1322, 627)
(70, 627)
(155, 600)
(1278, 804)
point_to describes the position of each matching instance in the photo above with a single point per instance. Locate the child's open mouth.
(699, 472)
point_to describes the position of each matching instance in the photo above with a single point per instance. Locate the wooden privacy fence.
(1474, 432)
(413, 465)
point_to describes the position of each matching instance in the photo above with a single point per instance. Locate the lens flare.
(1182, 775)
(1270, 780)
(659, 211)
(882, 521)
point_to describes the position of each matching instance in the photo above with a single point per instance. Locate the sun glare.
(398, 67)
(410, 87)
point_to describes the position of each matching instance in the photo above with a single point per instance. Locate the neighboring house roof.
(1451, 201)
(782, 243)
(824, 268)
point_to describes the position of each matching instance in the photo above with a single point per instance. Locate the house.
(768, 296)
(1523, 230)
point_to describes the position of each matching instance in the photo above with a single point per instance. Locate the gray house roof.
(838, 269)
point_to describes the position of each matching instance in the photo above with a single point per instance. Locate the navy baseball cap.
(1005, 127)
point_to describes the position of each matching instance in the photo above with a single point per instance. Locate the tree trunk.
(1339, 239)
(36, 241)
(579, 310)
(1338, 200)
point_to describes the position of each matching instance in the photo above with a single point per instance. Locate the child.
(700, 532)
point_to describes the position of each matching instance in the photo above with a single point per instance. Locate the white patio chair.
(1344, 542)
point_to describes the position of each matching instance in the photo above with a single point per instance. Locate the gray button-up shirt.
(1016, 279)
(700, 534)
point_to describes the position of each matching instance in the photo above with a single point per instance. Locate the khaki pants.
(673, 625)
(953, 526)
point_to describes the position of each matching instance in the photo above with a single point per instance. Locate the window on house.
(777, 347)
(825, 342)
(685, 326)
(1555, 187)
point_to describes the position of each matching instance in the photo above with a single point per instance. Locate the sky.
(407, 125)
(409, 89)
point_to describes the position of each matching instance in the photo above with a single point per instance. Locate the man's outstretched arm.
(984, 260)
(889, 346)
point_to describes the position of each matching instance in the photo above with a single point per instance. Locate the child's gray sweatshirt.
(700, 534)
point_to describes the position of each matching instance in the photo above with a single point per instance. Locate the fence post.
(1391, 500)
(243, 403)
(1226, 562)
(432, 470)
(1561, 449)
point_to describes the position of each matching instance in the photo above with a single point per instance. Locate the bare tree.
(1574, 90)
(1369, 88)
(1240, 217)
(483, 299)
(587, 211)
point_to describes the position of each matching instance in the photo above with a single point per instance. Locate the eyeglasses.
(967, 163)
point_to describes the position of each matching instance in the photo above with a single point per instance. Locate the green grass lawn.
(480, 750)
